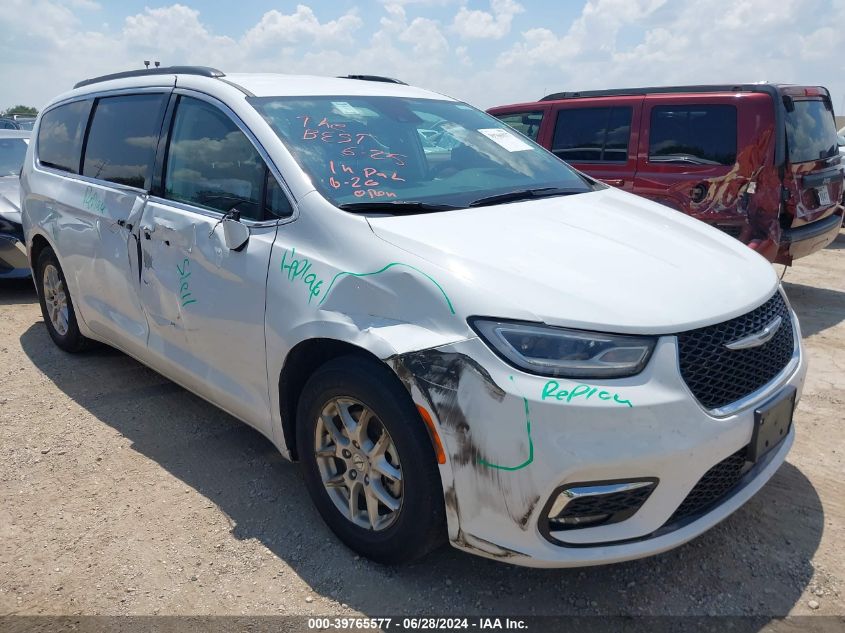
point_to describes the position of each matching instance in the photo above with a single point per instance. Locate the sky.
(485, 52)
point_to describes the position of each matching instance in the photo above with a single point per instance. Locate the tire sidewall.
(422, 513)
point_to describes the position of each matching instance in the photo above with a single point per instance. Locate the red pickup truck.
(758, 161)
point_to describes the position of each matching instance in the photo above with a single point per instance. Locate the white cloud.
(426, 37)
(88, 5)
(476, 24)
(46, 46)
(277, 28)
(720, 41)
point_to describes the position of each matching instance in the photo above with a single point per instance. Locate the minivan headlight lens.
(556, 351)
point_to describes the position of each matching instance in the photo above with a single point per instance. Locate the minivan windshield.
(433, 154)
(810, 132)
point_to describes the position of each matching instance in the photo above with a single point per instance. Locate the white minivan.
(455, 333)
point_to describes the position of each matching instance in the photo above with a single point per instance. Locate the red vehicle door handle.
(614, 182)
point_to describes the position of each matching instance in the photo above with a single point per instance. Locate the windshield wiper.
(398, 207)
(525, 194)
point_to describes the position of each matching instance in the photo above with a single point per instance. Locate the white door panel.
(205, 305)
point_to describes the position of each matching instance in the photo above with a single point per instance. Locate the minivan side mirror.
(235, 234)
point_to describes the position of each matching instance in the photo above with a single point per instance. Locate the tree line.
(19, 109)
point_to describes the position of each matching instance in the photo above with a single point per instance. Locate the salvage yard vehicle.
(758, 161)
(13, 260)
(478, 343)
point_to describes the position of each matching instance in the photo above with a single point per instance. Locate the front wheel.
(368, 461)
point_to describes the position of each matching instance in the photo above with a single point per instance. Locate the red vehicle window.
(593, 135)
(526, 123)
(695, 134)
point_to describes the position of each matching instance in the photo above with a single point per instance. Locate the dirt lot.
(120, 493)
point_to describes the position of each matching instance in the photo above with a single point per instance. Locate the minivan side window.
(211, 163)
(60, 135)
(276, 202)
(122, 140)
(693, 134)
(593, 135)
(526, 123)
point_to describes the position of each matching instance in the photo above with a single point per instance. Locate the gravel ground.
(120, 493)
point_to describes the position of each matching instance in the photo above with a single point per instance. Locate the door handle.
(614, 182)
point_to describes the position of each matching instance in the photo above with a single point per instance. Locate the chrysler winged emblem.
(758, 338)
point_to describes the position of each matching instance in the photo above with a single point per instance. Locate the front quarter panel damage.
(490, 458)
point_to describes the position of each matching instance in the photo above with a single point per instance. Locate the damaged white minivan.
(457, 335)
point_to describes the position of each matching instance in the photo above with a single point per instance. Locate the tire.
(54, 296)
(395, 536)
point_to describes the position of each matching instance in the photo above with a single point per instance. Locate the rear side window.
(693, 135)
(810, 132)
(60, 135)
(527, 123)
(211, 162)
(593, 135)
(122, 140)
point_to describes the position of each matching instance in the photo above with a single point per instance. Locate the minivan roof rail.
(387, 80)
(618, 92)
(203, 71)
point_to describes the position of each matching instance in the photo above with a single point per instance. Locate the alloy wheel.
(359, 464)
(55, 298)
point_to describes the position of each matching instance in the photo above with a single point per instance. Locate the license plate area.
(824, 195)
(771, 423)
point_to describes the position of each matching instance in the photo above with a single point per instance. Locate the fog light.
(597, 503)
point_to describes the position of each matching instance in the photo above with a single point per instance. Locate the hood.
(605, 260)
(10, 198)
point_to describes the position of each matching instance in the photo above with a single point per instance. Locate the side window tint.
(211, 163)
(593, 135)
(277, 202)
(123, 137)
(60, 135)
(693, 135)
(528, 123)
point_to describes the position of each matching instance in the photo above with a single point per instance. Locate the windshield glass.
(810, 132)
(12, 152)
(26, 124)
(392, 149)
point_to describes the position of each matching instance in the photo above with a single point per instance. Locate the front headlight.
(556, 351)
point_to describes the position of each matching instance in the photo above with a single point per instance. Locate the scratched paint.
(552, 390)
(185, 295)
(530, 459)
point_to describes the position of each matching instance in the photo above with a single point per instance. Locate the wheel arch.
(301, 362)
(36, 247)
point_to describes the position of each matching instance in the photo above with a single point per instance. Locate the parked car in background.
(9, 124)
(25, 122)
(758, 161)
(13, 261)
(475, 342)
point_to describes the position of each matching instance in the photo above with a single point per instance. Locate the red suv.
(759, 161)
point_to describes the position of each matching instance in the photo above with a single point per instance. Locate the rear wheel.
(56, 305)
(368, 461)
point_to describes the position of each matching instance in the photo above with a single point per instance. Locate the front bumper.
(13, 260)
(510, 448)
